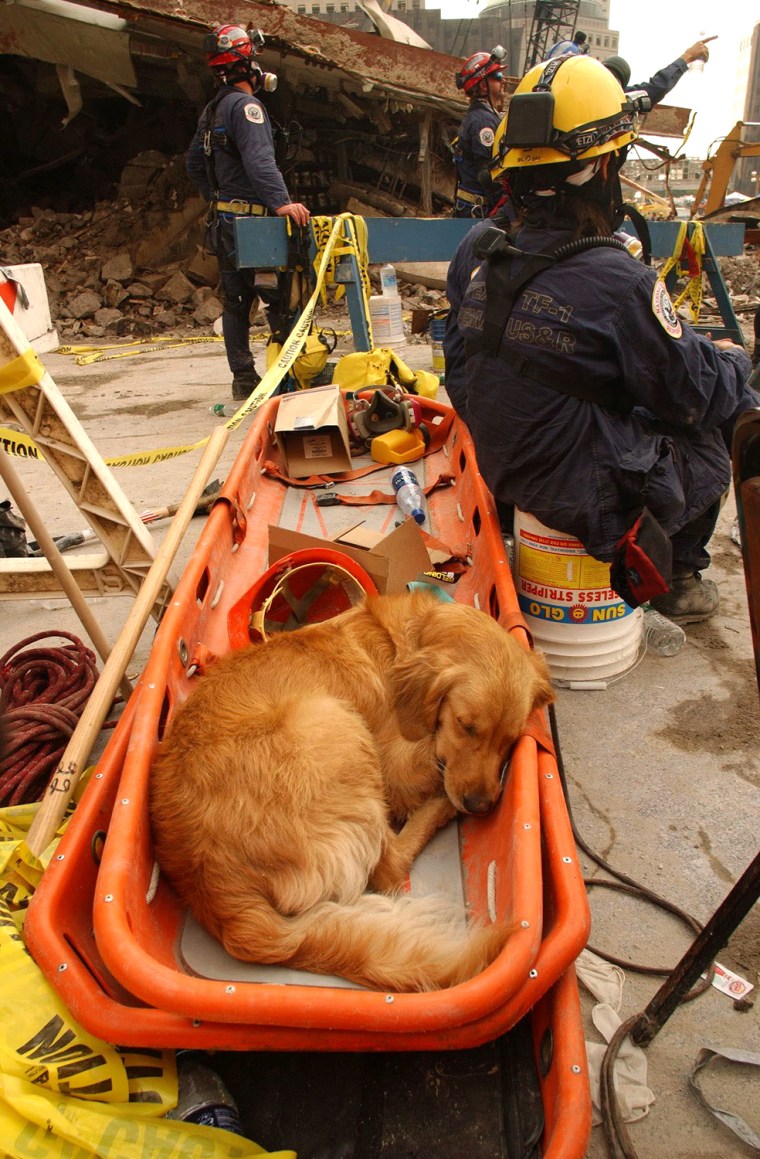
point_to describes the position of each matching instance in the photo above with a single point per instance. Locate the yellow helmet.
(570, 108)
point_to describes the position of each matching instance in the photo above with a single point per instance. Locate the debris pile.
(135, 266)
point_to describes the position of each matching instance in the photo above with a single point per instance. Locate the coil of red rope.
(44, 692)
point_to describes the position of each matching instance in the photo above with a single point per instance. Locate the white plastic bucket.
(385, 315)
(582, 626)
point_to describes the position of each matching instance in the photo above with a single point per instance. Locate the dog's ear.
(543, 692)
(419, 683)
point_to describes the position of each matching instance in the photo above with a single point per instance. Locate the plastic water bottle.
(203, 1098)
(662, 636)
(388, 282)
(225, 410)
(409, 495)
(698, 66)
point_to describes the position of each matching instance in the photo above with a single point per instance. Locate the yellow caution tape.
(64, 1092)
(347, 235)
(90, 355)
(292, 346)
(694, 287)
(18, 444)
(24, 370)
(355, 237)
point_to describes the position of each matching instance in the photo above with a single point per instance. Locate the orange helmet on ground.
(305, 587)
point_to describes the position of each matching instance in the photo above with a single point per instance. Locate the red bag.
(642, 566)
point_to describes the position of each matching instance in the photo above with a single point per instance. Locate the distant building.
(747, 171)
(506, 22)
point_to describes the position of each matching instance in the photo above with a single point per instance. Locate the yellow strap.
(675, 257)
(25, 370)
(692, 292)
(473, 198)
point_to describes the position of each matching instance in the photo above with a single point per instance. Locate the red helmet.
(479, 66)
(231, 49)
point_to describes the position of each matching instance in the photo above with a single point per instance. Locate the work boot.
(690, 600)
(244, 382)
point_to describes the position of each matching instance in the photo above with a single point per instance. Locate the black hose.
(624, 883)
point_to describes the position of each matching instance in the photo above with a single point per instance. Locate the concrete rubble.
(135, 266)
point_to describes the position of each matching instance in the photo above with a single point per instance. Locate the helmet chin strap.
(243, 69)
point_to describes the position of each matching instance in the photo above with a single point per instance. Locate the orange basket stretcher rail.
(119, 928)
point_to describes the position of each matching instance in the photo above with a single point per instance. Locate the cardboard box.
(392, 560)
(312, 432)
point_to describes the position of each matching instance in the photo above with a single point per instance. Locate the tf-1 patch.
(254, 113)
(664, 311)
(485, 136)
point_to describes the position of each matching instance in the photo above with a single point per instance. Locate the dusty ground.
(663, 768)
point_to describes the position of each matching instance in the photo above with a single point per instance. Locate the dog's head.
(466, 682)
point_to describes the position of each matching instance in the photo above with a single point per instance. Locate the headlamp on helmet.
(638, 101)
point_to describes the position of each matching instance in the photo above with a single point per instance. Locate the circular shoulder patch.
(254, 113)
(485, 136)
(663, 310)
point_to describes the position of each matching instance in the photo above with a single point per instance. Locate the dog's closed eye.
(469, 729)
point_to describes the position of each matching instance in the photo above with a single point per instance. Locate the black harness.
(213, 139)
(502, 288)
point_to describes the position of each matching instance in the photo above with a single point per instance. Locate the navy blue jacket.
(460, 268)
(475, 148)
(245, 165)
(598, 318)
(659, 85)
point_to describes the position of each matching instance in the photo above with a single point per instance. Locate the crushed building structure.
(361, 115)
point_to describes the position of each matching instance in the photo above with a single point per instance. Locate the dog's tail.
(390, 943)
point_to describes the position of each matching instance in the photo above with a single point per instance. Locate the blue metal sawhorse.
(262, 243)
(722, 239)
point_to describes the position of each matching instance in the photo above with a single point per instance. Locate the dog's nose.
(475, 804)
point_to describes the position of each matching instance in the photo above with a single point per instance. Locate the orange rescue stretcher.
(133, 967)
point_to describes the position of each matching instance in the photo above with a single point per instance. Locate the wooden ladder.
(30, 399)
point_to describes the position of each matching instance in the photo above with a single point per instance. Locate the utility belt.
(473, 198)
(244, 208)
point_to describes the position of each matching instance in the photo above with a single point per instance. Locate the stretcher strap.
(385, 497)
(271, 469)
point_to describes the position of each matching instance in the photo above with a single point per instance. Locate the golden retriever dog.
(303, 770)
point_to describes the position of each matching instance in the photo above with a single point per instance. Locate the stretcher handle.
(64, 781)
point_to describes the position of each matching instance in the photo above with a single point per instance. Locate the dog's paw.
(446, 812)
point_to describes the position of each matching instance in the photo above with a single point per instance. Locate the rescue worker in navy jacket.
(232, 161)
(659, 85)
(587, 397)
(482, 79)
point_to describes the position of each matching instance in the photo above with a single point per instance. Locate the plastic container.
(203, 1098)
(388, 282)
(437, 330)
(697, 66)
(661, 635)
(387, 320)
(583, 627)
(409, 494)
(225, 410)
